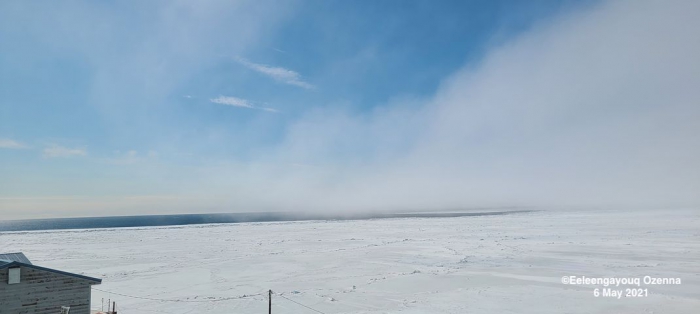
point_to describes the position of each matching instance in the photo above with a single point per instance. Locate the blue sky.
(152, 107)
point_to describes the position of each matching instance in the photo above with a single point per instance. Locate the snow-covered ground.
(486, 264)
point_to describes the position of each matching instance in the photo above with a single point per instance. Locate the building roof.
(14, 257)
(19, 260)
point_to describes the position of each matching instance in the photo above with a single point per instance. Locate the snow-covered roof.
(9, 260)
(14, 257)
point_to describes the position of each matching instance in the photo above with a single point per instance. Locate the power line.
(308, 307)
(175, 300)
(215, 300)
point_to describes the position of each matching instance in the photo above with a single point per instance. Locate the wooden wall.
(43, 292)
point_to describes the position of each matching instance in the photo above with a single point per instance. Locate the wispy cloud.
(54, 151)
(11, 144)
(239, 102)
(277, 73)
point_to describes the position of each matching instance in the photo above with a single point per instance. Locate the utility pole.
(269, 301)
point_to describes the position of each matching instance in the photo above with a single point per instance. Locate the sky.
(162, 107)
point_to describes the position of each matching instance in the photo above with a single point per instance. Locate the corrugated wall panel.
(41, 292)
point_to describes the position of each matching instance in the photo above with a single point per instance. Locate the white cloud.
(277, 73)
(54, 151)
(239, 102)
(232, 101)
(11, 144)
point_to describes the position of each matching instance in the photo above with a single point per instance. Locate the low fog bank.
(594, 108)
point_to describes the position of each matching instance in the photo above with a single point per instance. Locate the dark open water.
(193, 219)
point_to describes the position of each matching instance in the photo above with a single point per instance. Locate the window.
(13, 276)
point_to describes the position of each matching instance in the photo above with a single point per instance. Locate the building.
(27, 288)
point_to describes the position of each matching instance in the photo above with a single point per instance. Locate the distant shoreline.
(197, 219)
